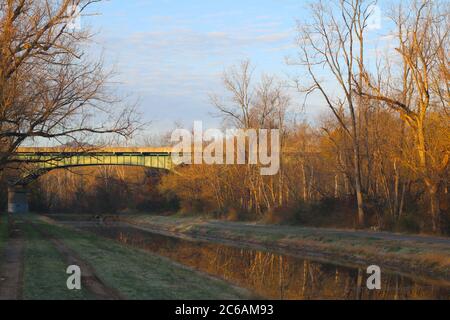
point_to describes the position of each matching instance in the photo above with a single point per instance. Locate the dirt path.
(11, 268)
(89, 278)
(382, 235)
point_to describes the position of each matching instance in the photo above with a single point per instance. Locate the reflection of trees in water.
(272, 275)
(284, 277)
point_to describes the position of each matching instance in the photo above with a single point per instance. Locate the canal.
(269, 275)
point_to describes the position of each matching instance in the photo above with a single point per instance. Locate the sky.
(170, 54)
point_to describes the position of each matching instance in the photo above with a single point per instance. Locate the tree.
(334, 42)
(49, 88)
(252, 104)
(422, 33)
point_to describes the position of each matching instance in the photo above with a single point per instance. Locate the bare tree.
(423, 30)
(253, 104)
(334, 42)
(238, 83)
(49, 88)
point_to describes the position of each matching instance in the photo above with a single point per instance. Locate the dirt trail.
(382, 235)
(89, 279)
(11, 267)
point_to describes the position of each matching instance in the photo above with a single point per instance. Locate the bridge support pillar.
(17, 200)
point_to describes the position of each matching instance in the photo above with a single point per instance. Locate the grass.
(45, 270)
(138, 274)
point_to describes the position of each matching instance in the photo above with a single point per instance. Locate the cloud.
(182, 60)
(176, 60)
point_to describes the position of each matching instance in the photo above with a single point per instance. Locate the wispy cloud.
(173, 58)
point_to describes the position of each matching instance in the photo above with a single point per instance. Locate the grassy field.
(134, 273)
(419, 255)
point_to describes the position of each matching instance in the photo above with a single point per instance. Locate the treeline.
(100, 190)
(379, 159)
(316, 187)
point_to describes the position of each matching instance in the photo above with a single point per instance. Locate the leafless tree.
(422, 34)
(49, 88)
(238, 83)
(333, 43)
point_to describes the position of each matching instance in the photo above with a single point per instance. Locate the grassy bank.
(416, 255)
(139, 275)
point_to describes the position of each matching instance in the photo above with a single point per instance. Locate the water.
(271, 275)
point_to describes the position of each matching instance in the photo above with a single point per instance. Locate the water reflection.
(272, 275)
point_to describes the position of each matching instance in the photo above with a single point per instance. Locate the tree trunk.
(305, 187)
(433, 190)
(421, 146)
(358, 189)
(433, 187)
(336, 186)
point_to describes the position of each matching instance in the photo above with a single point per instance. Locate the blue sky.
(171, 53)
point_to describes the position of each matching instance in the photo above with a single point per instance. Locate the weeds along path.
(89, 279)
(11, 265)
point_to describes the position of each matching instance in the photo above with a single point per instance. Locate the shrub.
(280, 215)
(233, 215)
(409, 223)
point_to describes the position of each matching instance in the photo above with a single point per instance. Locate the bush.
(409, 223)
(234, 215)
(328, 212)
(280, 215)
(445, 222)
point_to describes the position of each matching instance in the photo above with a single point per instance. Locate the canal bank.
(133, 273)
(413, 255)
(266, 273)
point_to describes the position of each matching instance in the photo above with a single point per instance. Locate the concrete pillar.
(17, 199)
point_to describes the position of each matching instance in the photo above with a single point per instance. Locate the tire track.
(89, 278)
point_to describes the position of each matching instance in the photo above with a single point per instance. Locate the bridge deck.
(109, 150)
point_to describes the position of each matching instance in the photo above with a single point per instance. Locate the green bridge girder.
(52, 161)
(39, 163)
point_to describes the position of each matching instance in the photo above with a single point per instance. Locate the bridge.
(39, 161)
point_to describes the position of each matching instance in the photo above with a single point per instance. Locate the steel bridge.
(39, 161)
(42, 160)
